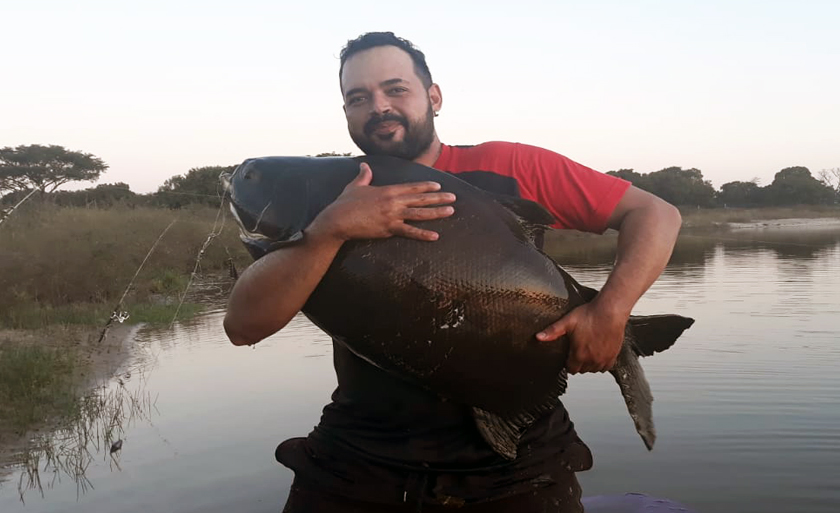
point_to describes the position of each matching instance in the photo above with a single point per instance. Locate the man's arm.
(648, 228)
(273, 289)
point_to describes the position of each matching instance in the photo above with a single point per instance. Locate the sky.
(737, 89)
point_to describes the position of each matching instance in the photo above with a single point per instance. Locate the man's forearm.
(645, 243)
(274, 288)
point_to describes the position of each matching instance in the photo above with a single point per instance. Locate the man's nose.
(381, 103)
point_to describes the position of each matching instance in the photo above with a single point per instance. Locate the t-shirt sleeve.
(579, 197)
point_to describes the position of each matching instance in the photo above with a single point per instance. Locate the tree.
(102, 196)
(45, 168)
(199, 185)
(334, 154)
(796, 186)
(831, 179)
(631, 176)
(680, 186)
(740, 194)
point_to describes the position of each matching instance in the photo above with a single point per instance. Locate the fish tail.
(644, 336)
(649, 334)
(634, 387)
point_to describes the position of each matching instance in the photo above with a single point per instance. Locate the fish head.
(269, 199)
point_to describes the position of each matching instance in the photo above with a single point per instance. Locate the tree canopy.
(675, 185)
(45, 168)
(198, 185)
(686, 187)
(796, 186)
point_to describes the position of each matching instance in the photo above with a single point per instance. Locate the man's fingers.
(553, 332)
(364, 177)
(405, 189)
(573, 366)
(412, 232)
(420, 214)
(429, 198)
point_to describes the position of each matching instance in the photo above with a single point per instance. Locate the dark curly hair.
(374, 39)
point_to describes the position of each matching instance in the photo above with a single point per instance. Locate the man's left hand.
(595, 338)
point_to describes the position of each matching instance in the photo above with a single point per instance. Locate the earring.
(437, 113)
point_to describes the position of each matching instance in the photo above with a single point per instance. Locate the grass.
(36, 383)
(58, 256)
(31, 316)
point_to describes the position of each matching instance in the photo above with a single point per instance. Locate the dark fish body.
(458, 315)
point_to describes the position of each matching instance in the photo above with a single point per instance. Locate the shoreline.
(96, 363)
(789, 223)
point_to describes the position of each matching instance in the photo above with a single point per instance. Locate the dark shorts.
(557, 498)
(342, 482)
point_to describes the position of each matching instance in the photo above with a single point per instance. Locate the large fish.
(457, 316)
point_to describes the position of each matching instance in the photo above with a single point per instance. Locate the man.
(384, 444)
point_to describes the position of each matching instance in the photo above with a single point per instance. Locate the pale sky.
(737, 89)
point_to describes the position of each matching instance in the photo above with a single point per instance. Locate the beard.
(417, 138)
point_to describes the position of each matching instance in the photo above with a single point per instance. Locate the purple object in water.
(632, 503)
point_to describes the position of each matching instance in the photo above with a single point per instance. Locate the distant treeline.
(44, 168)
(790, 186)
(682, 187)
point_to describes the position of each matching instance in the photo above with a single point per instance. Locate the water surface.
(747, 403)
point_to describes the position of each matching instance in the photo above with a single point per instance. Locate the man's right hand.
(363, 211)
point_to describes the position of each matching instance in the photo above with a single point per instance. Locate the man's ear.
(435, 97)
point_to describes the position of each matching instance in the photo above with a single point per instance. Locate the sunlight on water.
(746, 403)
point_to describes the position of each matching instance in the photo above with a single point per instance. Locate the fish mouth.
(248, 235)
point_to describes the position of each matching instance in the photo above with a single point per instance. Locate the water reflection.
(97, 429)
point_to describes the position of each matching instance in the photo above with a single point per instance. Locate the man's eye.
(397, 90)
(355, 100)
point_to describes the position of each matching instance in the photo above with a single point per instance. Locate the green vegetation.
(35, 383)
(71, 265)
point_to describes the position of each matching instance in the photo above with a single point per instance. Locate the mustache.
(376, 119)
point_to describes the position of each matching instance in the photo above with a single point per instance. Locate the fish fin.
(655, 333)
(635, 389)
(503, 432)
(530, 211)
(533, 217)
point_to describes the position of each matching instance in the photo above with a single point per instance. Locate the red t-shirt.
(579, 197)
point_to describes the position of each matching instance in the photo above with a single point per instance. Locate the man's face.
(388, 110)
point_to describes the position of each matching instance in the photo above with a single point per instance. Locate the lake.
(747, 402)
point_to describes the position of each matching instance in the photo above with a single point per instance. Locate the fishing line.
(122, 316)
(212, 235)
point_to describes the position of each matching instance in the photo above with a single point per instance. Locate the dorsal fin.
(533, 217)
